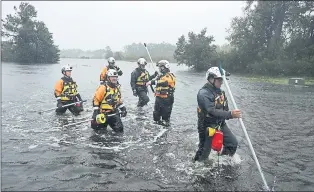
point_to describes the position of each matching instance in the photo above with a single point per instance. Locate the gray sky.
(93, 25)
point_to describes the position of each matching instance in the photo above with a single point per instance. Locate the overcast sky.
(93, 25)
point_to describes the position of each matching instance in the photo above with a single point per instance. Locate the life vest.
(143, 78)
(69, 89)
(220, 103)
(103, 75)
(168, 90)
(111, 99)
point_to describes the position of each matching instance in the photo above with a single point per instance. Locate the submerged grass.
(277, 80)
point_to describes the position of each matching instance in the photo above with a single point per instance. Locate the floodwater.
(39, 154)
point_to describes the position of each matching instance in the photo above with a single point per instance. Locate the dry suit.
(164, 93)
(103, 74)
(212, 112)
(66, 93)
(107, 100)
(139, 78)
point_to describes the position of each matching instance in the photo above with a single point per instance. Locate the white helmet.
(163, 63)
(142, 61)
(112, 73)
(214, 72)
(66, 68)
(111, 60)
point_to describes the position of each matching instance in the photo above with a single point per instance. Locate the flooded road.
(39, 154)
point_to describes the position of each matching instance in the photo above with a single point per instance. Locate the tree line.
(273, 38)
(130, 52)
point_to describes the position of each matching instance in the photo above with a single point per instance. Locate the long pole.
(40, 112)
(152, 65)
(244, 129)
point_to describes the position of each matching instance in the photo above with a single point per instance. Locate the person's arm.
(119, 71)
(103, 74)
(206, 102)
(99, 96)
(153, 76)
(58, 91)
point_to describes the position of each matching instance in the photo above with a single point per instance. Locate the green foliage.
(273, 38)
(198, 52)
(26, 40)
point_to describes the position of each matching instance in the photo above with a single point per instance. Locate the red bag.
(217, 140)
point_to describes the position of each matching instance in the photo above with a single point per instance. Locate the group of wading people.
(108, 107)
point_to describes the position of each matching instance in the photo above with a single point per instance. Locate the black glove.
(123, 111)
(80, 106)
(79, 97)
(156, 73)
(134, 93)
(59, 104)
(96, 112)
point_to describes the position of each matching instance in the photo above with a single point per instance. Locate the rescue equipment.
(217, 141)
(101, 118)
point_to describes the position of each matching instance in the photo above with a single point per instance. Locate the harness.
(111, 99)
(143, 78)
(165, 91)
(69, 89)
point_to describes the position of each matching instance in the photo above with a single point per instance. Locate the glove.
(59, 104)
(96, 112)
(123, 111)
(156, 73)
(134, 93)
(148, 83)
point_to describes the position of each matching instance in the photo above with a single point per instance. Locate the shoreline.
(282, 80)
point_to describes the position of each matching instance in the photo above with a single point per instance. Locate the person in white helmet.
(139, 78)
(111, 65)
(108, 101)
(212, 111)
(66, 93)
(164, 93)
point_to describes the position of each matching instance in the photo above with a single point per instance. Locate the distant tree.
(26, 39)
(118, 55)
(198, 52)
(108, 52)
(157, 51)
(273, 38)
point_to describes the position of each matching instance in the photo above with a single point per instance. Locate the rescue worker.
(111, 65)
(212, 112)
(164, 93)
(139, 78)
(66, 93)
(107, 101)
